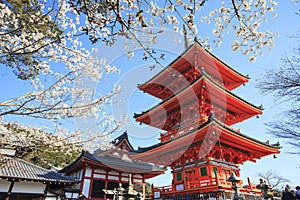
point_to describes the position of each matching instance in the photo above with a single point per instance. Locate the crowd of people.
(289, 194)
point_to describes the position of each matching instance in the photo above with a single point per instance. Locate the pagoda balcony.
(204, 186)
(185, 127)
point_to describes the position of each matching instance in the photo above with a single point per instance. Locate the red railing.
(192, 184)
(204, 183)
(166, 136)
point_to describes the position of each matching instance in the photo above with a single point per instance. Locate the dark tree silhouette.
(284, 84)
(274, 180)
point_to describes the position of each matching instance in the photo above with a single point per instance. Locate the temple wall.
(4, 185)
(29, 187)
(88, 172)
(23, 187)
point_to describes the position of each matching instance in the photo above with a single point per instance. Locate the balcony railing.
(204, 184)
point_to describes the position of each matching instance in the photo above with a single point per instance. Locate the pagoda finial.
(185, 37)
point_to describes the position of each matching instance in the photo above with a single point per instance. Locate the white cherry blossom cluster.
(26, 136)
(49, 46)
(244, 19)
(133, 19)
(65, 68)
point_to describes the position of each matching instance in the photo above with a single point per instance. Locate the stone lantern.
(121, 193)
(234, 181)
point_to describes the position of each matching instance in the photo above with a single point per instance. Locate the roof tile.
(14, 168)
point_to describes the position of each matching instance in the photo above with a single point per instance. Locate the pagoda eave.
(224, 137)
(189, 65)
(203, 87)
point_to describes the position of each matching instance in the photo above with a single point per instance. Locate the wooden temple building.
(85, 178)
(21, 180)
(103, 170)
(196, 113)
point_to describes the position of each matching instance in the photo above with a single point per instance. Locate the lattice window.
(178, 177)
(203, 171)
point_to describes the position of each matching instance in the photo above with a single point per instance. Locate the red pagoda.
(196, 113)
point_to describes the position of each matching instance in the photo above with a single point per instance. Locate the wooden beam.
(46, 191)
(10, 189)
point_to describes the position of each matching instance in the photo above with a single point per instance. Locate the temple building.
(21, 180)
(196, 114)
(88, 177)
(104, 170)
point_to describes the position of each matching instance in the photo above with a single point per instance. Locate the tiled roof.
(120, 139)
(116, 142)
(124, 163)
(196, 42)
(18, 169)
(203, 75)
(116, 162)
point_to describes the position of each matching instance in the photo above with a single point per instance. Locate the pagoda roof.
(116, 162)
(206, 60)
(233, 102)
(227, 137)
(18, 169)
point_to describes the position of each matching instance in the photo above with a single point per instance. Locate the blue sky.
(136, 71)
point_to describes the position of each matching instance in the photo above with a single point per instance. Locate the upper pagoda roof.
(114, 161)
(226, 137)
(219, 95)
(199, 57)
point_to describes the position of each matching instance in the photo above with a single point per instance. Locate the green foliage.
(148, 188)
(47, 157)
(48, 149)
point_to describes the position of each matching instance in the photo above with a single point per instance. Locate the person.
(297, 193)
(265, 189)
(287, 194)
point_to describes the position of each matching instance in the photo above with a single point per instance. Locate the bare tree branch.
(284, 84)
(273, 179)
